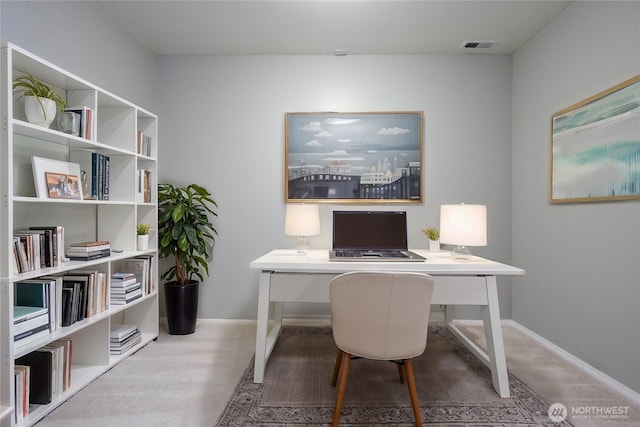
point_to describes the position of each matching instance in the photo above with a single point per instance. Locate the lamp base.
(461, 253)
(302, 244)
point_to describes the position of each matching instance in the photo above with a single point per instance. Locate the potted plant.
(186, 234)
(142, 230)
(433, 234)
(40, 100)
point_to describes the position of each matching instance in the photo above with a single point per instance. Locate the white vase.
(434, 245)
(34, 113)
(143, 242)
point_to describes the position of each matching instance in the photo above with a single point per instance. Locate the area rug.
(454, 389)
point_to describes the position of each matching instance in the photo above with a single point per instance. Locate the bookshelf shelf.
(113, 127)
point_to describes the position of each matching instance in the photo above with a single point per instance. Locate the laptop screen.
(363, 230)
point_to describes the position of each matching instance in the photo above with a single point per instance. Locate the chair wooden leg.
(401, 372)
(411, 382)
(344, 373)
(336, 368)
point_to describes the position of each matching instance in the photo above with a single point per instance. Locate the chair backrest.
(380, 315)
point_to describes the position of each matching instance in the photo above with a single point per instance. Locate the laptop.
(371, 236)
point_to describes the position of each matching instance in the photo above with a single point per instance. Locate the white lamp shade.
(463, 225)
(302, 220)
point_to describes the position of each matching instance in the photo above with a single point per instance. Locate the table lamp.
(463, 225)
(302, 220)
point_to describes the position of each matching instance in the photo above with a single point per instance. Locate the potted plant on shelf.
(142, 230)
(433, 234)
(186, 234)
(40, 100)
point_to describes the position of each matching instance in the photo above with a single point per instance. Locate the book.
(123, 337)
(40, 250)
(57, 242)
(24, 313)
(31, 325)
(31, 241)
(122, 276)
(14, 257)
(81, 283)
(117, 284)
(89, 244)
(39, 331)
(27, 339)
(68, 296)
(87, 249)
(41, 292)
(76, 256)
(106, 177)
(21, 382)
(67, 345)
(139, 267)
(144, 144)
(40, 363)
(121, 332)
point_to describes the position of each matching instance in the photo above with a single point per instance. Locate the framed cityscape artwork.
(595, 147)
(369, 157)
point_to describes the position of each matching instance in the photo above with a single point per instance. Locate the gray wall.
(81, 38)
(223, 126)
(582, 287)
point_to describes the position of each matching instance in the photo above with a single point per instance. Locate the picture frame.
(62, 186)
(595, 146)
(354, 157)
(43, 167)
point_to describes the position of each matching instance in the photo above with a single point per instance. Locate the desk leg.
(262, 326)
(495, 343)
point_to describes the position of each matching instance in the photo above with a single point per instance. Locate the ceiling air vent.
(477, 44)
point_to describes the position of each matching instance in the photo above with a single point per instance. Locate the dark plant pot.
(181, 303)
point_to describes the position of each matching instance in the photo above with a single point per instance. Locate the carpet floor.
(454, 389)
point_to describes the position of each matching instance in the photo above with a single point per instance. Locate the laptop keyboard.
(370, 254)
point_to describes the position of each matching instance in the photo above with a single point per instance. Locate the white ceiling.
(321, 27)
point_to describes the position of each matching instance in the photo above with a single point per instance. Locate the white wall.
(582, 287)
(81, 38)
(222, 126)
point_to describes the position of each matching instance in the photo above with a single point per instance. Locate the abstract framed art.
(595, 147)
(368, 157)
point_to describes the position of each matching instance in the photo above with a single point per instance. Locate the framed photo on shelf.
(368, 157)
(595, 145)
(56, 179)
(62, 186)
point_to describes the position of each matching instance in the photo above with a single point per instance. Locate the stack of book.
(125, 287)
(30, 324)
(123, 338)
(37, 247)
(85, 251)
(143, 267)
(50, 371)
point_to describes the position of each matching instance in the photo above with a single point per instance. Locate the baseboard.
(579, 363)
(163, 321)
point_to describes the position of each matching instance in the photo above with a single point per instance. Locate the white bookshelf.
(117, 123)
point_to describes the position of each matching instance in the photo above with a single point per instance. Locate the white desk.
(290, 277)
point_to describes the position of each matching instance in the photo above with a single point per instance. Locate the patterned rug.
(454, 389)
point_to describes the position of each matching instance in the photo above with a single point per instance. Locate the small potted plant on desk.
(142, 230)
(40, 100)
(186, 234)
(433, 234)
